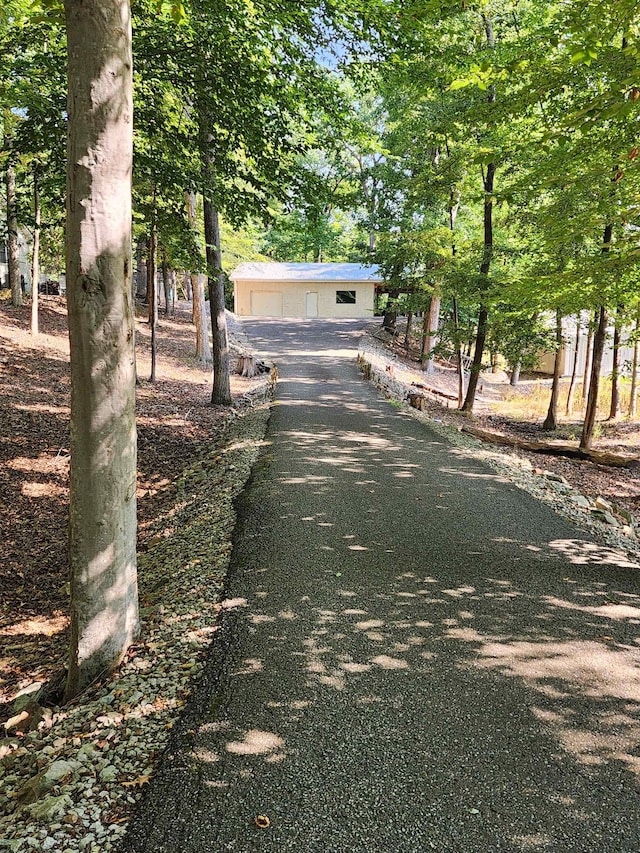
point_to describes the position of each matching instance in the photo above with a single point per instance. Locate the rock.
(603, 504)
(628, 530)
(16, 721)
(555, 478)
(562, 488)
(581, 501)
(607, 517)
(27, 695)
(627, 516)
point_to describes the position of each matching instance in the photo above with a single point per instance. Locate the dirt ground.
(175, 423)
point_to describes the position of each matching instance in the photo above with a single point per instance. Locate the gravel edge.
(71, 783)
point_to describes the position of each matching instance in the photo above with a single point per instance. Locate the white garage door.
(266, 303)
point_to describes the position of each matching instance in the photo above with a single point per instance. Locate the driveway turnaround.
(414, 654)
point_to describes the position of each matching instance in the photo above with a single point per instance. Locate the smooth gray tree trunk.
(574, 370)
(197, 280)
(12, 238)
(551, 421)
(35, 256)
(221, 393)
(102, 508)
(633, 390)
(431, 337)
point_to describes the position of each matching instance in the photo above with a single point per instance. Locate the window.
(345, 297)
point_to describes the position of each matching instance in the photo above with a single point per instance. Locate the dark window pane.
(345, 297)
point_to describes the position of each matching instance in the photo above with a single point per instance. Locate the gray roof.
(273, 271)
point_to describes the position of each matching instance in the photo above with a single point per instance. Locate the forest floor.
(519, 413)
(193, 459)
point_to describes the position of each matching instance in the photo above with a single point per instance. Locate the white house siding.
(546, 360)
(261, 298)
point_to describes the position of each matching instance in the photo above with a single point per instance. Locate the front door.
(312, 304)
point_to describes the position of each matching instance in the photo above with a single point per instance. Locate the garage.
(273, 289)
(266, 303)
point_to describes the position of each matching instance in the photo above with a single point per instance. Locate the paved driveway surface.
(415, 655)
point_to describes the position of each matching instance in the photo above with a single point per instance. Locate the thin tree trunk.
(614, 410)
(407, 337)
(35, 257)
(166, 282)
(141, 270)
(588, 354)
(633, 391)
(12, 238)
(596, 365)
(432, 324)
(197, 281)
(551, 421)
(515, 373)
(221, 393)
(574, 370)
(153, 290)
(487, 255)
(459, 365)
(454, 204)
(152, 271)
(391, 314)
(594, 383)
(102, 502)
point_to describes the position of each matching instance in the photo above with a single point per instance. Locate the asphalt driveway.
(414, 656)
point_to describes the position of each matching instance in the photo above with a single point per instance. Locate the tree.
(102, 508)
(13, 237)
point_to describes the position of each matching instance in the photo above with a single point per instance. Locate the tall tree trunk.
(459, 363)
(551, 421)
(221, 393)
(153, 289)
(574, 370)
(12, 238)
(588, 355)
(599, 339)
(407, 337)
(614, 410)
(152, 271)
(35, 257)
(454, 204)
(141, 279)
(594, 382)
(633, 391)
(197, 280)
(102, 502)
(431, 337)
(166, 282)
(390, 314)
(487, 254)
(515, 373)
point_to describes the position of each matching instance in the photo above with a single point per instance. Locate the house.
(304, 290)
(567, 353)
